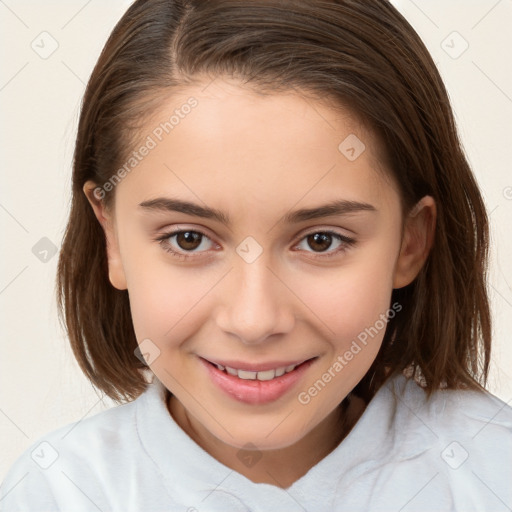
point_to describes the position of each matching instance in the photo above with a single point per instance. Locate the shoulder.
(461, 438)
(448, 412)
(57, 466)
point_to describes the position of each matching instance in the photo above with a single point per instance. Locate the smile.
(256, 384)
(263, 375)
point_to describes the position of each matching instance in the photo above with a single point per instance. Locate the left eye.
(321, 241)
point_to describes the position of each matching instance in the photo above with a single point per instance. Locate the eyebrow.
(338, 207)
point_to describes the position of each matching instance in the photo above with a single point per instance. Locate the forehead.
(223, 142)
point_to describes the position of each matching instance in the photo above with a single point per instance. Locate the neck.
(283, 466)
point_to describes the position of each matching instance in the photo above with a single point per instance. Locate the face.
(259, 308)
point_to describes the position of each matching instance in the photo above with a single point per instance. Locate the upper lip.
(256, 367)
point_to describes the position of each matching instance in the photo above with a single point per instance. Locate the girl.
(276, 262)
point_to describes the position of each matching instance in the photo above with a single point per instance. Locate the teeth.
(280, 371)
(242, 374)
(265, 375)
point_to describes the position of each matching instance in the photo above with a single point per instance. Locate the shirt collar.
(196, 479)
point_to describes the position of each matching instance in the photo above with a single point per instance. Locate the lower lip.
(256, 391)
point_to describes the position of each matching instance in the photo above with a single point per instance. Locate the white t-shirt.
(404, 454)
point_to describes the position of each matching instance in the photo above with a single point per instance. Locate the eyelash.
(346, 241)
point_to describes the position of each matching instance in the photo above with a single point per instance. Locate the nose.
(256, 304)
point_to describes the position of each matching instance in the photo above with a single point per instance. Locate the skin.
(257, 158)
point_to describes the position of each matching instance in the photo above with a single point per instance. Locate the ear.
(106, 219)
(417, 240)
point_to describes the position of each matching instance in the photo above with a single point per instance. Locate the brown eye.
(323, 244)
(188, 240)
(185, 243)
(319, 241)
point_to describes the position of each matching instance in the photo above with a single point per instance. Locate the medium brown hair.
(362, 54)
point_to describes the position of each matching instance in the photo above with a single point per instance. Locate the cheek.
(350, 300)
(353, 305)
(166, 301)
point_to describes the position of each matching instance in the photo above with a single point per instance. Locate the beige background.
(41, 387)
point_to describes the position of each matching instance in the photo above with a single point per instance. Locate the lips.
(256, 383)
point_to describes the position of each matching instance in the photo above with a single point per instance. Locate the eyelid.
(335, 231)
(180, 228)
(324, 229)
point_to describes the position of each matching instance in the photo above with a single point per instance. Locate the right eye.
(187, 241)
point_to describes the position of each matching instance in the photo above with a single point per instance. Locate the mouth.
(264, 375)
(256, 383)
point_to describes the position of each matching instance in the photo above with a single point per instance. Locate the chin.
(269, 436)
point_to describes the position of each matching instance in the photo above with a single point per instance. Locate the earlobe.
(417, 240)
(115, 266)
